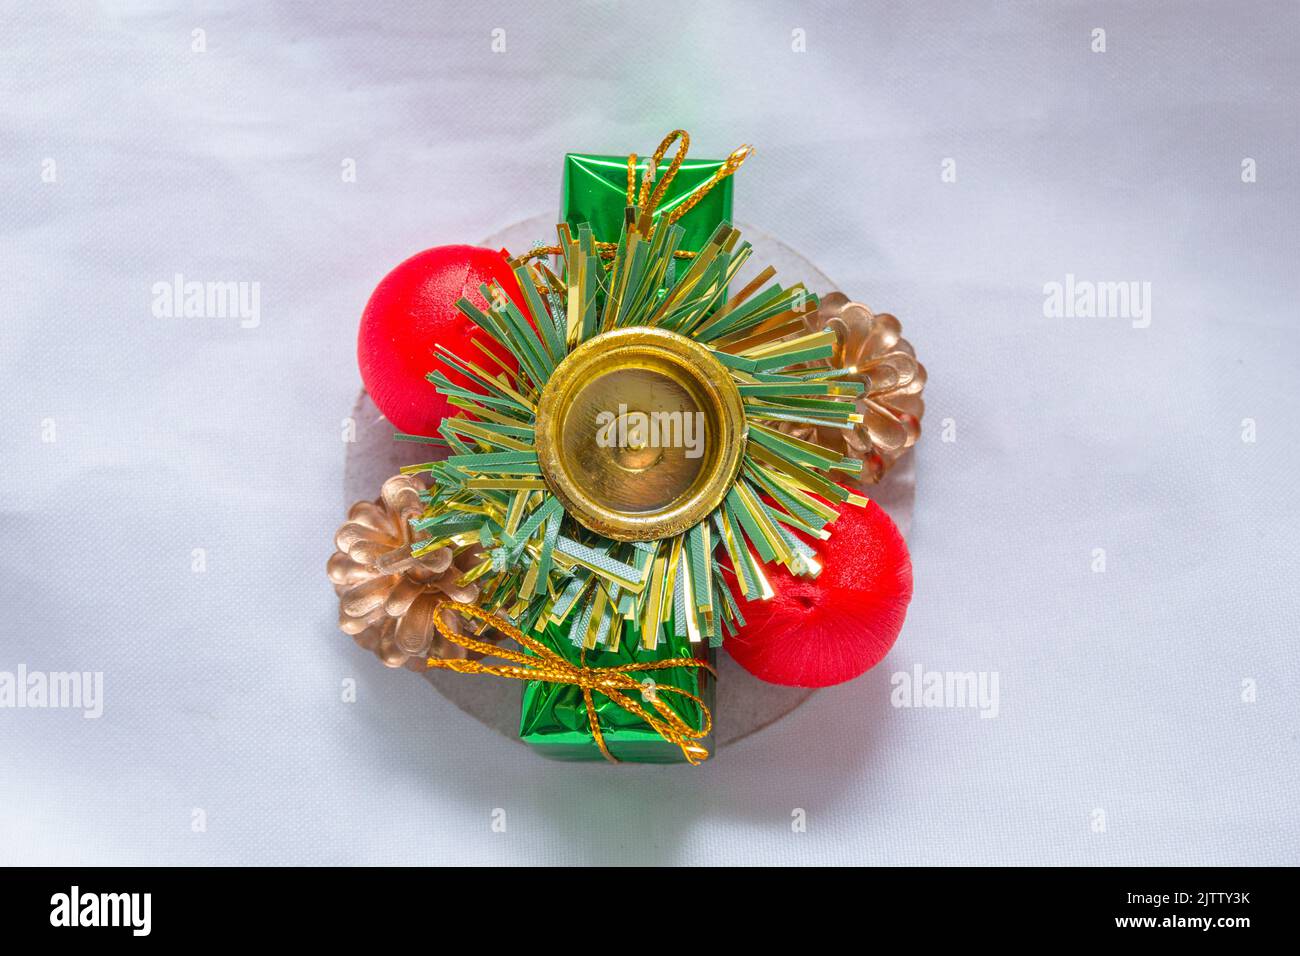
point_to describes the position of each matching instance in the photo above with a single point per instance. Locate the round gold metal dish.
(640, 433)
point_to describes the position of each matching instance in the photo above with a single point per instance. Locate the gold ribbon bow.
(648, 201)
(612, 682)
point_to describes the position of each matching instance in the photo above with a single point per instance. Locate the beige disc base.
(745, 704)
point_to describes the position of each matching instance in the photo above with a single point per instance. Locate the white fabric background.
(1119, 691)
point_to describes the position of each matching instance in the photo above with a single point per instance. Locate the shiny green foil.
(595, 192)
(554, 716)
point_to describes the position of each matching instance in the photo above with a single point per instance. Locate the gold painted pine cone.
(386, 597)
(891, 406)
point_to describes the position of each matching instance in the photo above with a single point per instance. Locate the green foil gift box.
(555, 720)
(595, 192)
(624, 477)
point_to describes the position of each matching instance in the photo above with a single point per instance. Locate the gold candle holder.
(640, 433)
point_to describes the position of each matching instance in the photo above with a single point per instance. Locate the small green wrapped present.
(554, 716)
(597, 536)
(595, 192)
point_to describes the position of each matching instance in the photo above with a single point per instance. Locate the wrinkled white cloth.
(1094, 529)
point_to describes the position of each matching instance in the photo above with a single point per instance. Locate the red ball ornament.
(412, 310)
(815, 632)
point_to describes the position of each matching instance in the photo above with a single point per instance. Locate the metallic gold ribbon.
(612, 682)
(648, 201)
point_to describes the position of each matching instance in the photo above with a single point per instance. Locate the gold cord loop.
(662, 186)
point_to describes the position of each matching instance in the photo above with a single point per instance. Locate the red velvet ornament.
(412, 310)
(815, 632)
